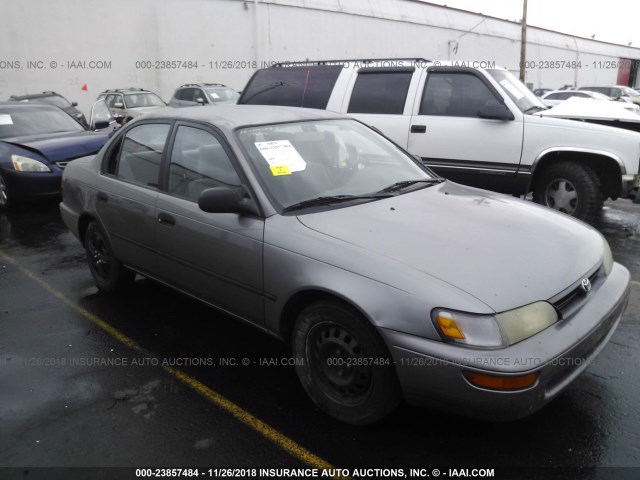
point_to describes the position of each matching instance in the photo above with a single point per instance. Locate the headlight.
(26, 164)
(494, 331)
(607, 258)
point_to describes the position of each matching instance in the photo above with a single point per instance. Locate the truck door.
(448, 131)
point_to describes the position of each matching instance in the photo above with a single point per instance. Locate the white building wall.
(229, 38)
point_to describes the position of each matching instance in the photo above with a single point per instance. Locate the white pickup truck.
(475, 126)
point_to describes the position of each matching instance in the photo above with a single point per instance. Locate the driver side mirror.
(200, 100)
(227, 200)
(101, 117)
(74, 104)
(495, 112)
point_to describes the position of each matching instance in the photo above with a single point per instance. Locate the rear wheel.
(346, 369)
(108, 272)
(570, 188)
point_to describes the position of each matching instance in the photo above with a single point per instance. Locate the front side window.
(381, 92)
(455, 95)
(198, 162)
(141, 154)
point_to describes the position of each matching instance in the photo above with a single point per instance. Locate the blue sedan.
(37, 141)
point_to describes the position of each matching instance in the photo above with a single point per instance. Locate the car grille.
(572, 301)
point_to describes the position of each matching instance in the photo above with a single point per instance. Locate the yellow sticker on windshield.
(278, 170)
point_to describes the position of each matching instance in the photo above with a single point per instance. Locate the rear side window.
(455, 95)
(141, 154)
(308, 87)
(380, 91)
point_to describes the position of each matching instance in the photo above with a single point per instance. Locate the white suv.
(475, 126)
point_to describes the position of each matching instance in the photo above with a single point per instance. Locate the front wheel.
(5, 202)
(108, 272)
(345, 369)
(570, 188)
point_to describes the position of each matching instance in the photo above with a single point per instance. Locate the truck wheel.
(108, 272)
(345, 367)
(570, 188)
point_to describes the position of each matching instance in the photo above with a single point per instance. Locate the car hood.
(61, 146)
(582, 108)
(142, 110)
(503, 251)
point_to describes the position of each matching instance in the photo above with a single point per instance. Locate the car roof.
(231, 117)
(27, 105)
(202, 85)
(35, 95)
(127, 90)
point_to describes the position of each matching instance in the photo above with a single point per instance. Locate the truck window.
(383, 92)
(454, 94)
(308, 87)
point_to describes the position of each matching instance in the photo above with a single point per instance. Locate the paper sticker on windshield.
(6, 120)
(512, 89)
(278, 170)
(215, 95)
(281, 152)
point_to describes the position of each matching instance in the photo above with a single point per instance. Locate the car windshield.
(524, 99)
(600, 96)
(145, 99)
(302, 161)
(18, 122)
(222, 94)
(54, 100)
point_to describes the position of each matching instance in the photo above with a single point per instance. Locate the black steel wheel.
(346, 368)
(108, 272)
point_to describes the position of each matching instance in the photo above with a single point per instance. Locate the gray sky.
(616, 21)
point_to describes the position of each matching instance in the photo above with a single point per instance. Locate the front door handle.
(418, 129)
(166, 219)
(102, 197)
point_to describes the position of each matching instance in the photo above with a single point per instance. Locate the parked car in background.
(556, 97)
(539, 92)
(53, 98)
(480, 127)
(617, 92)
(37, 142)
(386, 280)
(192, 94)
(131, 102)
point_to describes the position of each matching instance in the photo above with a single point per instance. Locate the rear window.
(308, 87)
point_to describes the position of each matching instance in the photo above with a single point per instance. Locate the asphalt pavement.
(149, 378)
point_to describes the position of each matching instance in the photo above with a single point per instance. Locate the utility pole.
(523, 42)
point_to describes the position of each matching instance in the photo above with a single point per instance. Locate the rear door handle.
(166, 219)
(102, 197)
(418, 128)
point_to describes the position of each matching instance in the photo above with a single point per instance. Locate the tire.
(5, 199)
(108, 272)
(328, 332)
(571, 188)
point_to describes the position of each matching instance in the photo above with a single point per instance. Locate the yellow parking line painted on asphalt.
(284, 442)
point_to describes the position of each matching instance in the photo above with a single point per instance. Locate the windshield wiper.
(407, 183)
(535, 108)
(266, 89)
(328, 200)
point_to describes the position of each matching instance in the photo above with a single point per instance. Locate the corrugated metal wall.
(48, 45)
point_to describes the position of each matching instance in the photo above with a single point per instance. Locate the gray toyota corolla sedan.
(387, 281)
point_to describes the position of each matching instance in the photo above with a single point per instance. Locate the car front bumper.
(431, 373)
(21, 185)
